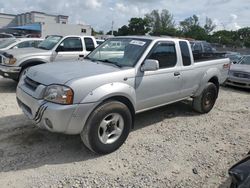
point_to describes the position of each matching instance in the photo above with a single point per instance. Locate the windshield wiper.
(90, 59)
(111, 62)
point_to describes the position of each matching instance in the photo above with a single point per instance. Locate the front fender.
(33, 61)
(111, 90)
(210, 73)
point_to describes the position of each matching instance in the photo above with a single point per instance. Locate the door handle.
(177, 74)
(81, 55)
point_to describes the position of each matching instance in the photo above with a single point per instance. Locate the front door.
(154, 88)
(70, 49)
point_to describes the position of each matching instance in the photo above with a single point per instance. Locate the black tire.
(206, 100)
(90, 133)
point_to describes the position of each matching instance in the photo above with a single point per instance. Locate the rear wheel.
(107, 127)
(205, 102)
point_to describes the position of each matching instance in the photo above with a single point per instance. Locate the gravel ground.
(169, 147)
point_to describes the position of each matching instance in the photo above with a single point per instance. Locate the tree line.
(162, 23)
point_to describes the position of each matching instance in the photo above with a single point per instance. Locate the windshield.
(6, 42)
(245, 60)
(49, 42)
(122, 52)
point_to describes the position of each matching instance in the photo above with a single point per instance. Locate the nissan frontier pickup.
(99, 97)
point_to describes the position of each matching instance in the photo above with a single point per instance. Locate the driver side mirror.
(150, 65)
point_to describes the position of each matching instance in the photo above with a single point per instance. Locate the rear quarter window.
(185, 53)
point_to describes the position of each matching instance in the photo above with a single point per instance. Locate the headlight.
(9, 61)
(59, 94)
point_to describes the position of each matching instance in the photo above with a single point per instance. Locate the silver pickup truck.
(99, 97)
(13, 63)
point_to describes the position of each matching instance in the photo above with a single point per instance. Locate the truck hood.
(62, 72)
(240, 68)
(25, 52)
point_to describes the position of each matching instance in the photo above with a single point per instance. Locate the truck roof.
(78, 36)
(153, 38)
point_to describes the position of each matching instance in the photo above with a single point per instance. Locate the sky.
(226, 14)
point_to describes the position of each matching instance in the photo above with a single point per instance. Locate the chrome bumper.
(10, 71)
(68, 119)
(238, 82)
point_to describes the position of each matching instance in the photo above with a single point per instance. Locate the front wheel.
(107, 127)
(23, 71)
(206, 100)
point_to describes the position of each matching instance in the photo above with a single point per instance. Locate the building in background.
(7, 20)
(40, 24)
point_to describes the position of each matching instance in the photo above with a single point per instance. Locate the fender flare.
(110, 90)
(209, 74)
(32, 62)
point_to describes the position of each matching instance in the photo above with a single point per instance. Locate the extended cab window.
(90, 46)
(165, 53)
(186, 59)
(71, 44)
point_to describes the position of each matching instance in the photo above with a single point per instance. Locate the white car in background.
(239, 73)
(12, 43)
(99, 41)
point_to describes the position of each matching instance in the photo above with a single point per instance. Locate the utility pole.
(112, 28)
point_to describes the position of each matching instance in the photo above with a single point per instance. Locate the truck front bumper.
(67, 119)
(10, 71)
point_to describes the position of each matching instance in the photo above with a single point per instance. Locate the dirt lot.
(170, 147)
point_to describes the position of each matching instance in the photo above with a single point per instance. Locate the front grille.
(241, 75)
(31, 83)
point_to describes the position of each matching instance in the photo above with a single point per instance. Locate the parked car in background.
(99, 96)
(233, 56)
(14, 62)
(6, 35)
(99, 41)
(204, 50)
(14, 43)
(201, 47)
(239, 73)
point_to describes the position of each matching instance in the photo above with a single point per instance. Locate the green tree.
(138, 26)
(161, 23)
(243, 36)
(189, 23)
(123, 31)
(191, 28)
(209, 25)
(97, 32)
(115, 33)
(224, 37)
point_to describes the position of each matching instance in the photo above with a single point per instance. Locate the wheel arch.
(215, 81)
(32, 62)
(117, 91)
(211, 75)
(125, 101)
